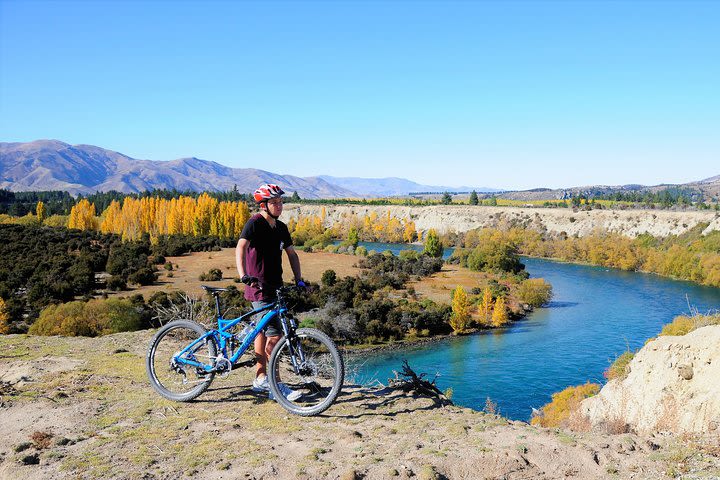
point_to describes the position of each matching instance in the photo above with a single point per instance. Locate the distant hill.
(389, 186)
(54, 165)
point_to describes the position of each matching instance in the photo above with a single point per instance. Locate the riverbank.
(82, 407)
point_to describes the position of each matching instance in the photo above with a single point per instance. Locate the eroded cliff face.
(673, 385)
(459, 218)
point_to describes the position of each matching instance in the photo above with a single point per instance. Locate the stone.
(685, 371)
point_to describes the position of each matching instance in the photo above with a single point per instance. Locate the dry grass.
(188, 268)
(440, 286)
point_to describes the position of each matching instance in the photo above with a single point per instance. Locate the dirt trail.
(82, 408)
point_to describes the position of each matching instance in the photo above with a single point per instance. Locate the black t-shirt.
(264, 255)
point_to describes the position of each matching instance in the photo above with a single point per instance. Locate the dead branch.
(409, 381)
(188, 308)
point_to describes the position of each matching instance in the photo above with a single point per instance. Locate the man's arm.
(240, 253)
(294, 262)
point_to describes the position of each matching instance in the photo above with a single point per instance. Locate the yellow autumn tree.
(82, 216)
(500, 315)
(410, 232)
(4, 318)
(41, 212)
(460, 318)
(112, 218)
(486, 306)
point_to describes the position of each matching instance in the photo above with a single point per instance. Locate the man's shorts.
(273, 328)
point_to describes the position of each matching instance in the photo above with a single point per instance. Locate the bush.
(535, 292)
(214, 275)
(409, 255)
(90, 319)
(329, 278)
(556, 413)
(682, 325)
(116, 283)
(144, 276)
(156, 259)
(620, 369)
(500, 256)
(307, 323)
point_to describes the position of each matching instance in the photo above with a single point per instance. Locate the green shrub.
(144, 276)
(214, 275)
(535, 292)
(116, 283)
(307, 323)
(409, 255)
(89, 319)
(329, 278)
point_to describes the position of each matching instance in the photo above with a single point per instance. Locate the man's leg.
(270, 346)
(263, 349)
(260, 357)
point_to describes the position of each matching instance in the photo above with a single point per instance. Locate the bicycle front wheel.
(311, 367)
(169, 375)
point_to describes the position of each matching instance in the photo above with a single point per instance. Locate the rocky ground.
(82, 408)
(671, 384)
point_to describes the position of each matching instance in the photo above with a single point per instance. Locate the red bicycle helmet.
(267, 191)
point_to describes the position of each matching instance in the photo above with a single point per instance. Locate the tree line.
(691, 256)
(42, 266)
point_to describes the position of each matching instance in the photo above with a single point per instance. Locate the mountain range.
(55, 165)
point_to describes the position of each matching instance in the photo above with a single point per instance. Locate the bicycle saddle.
(213, 290)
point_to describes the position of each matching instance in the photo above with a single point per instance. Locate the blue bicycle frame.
(222, 336)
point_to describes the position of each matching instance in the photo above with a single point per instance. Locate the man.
(259, 263)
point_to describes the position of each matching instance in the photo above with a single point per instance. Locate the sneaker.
(287, 392)
(260, 384)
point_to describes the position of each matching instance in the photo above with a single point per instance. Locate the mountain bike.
(184, 357)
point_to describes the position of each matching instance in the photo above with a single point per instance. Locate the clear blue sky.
(499, 94)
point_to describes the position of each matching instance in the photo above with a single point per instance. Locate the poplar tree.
(460, 318)
(500, 315)
(486, 305)
(353, 237)
(41, 212)
(433, 246)
(82, 216)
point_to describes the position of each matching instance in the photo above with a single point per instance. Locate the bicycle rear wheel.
(316, 374)
(170, 378)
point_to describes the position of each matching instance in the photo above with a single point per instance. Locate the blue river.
(596, 314)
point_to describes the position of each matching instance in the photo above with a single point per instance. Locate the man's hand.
(301, 284)
(251, 281)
